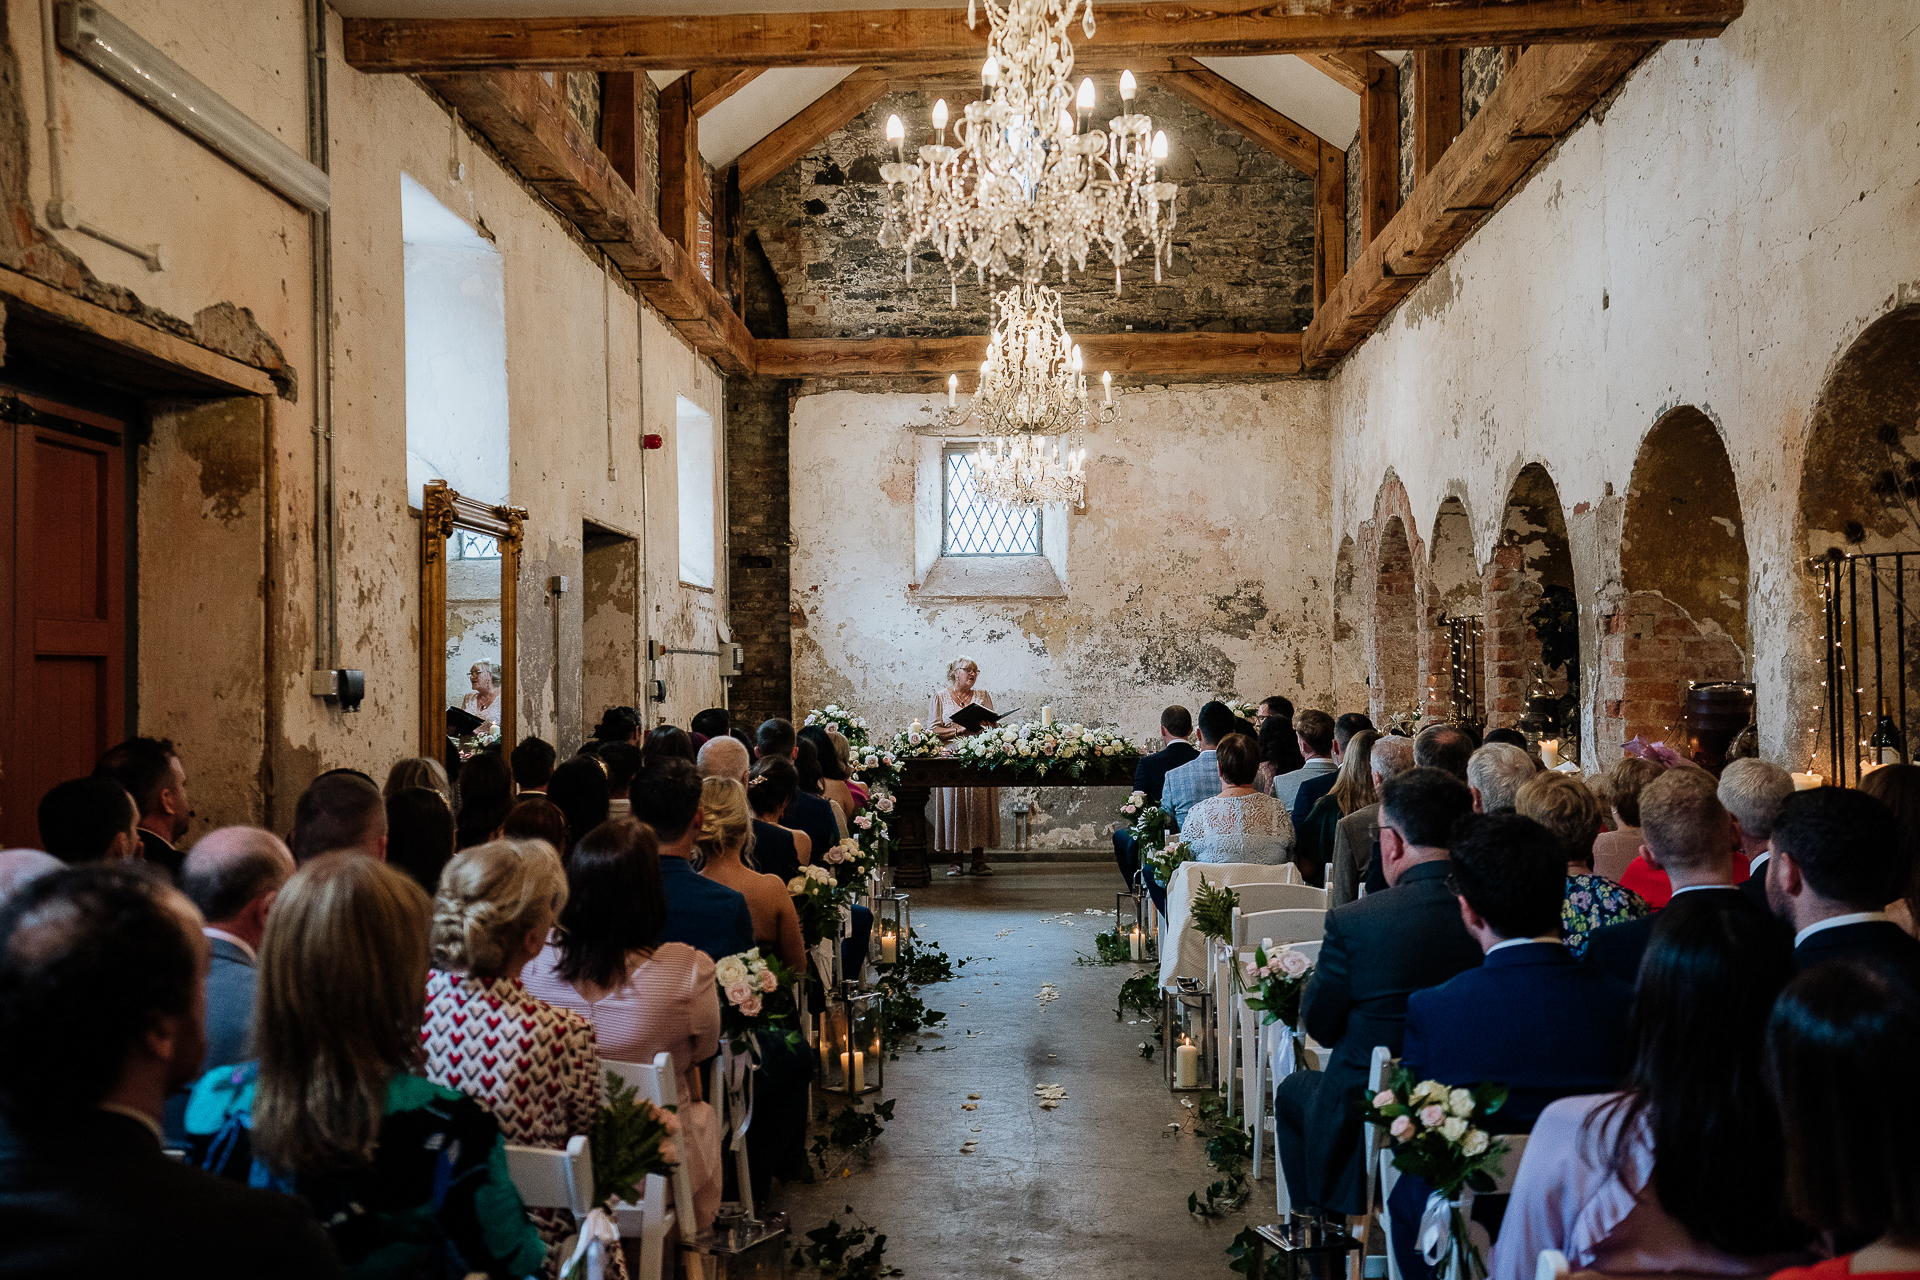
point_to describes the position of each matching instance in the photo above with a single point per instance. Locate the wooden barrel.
(1716, 713)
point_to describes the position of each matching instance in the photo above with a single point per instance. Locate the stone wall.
(1242, 258)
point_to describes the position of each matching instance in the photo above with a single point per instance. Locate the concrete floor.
(1096, 1188)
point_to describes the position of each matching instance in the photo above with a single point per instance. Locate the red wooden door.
(63, 587)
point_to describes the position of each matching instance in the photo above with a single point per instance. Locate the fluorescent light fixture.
(111, 48)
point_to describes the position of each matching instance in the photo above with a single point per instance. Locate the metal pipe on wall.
(326, 567)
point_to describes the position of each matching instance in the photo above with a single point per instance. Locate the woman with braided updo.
(534, 1066)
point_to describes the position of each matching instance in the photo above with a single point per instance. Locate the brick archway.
(1531, 559)
(1453, 592)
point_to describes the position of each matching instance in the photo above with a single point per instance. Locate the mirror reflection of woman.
(965, 819)
(484, 701)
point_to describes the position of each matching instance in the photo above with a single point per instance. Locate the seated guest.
(1445, 747)
(1751, 790)
(623, 761)
(579, 790)
(618, 724)
(1239, 824)
(607, 962)
(1495, 773)
(1311, 789)
(700, 912)
(1530, 1017)
(833, 778)
(843, 752)
(541, 1076)
(409, 1176)
(419, 771)
(1199, 779)
(666, 741)
(1688, 836)
(726, 853)
(101, 969)
(1613, 850)
(807, 812)
(806, 762)
(1837, 1037)
(536, 818)
(1352, 789)
(1838, 861)
(150, 770)
(1150, 777)
(1375, 952)
(1279, 745)
(714, 722)
(341, 812)
(1898, 787)
(233, 876)
(1562, 804)
(1511, 737)
(419, 834)
(1680, 1171)
(90, 820)
(779, 851)
(21, 867)
(532, 764)
(724, 757)
(1354, 845)
(486, 797)
(1313, 730)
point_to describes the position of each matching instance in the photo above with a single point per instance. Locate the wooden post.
(1329, 222)
(1379, 152)
(621, 134)
(680, 167)
(729, 254)
(1436, 106)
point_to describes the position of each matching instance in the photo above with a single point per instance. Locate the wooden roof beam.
(830, 111)
(714, 85)
(1239, 110)
(862, 37)
(1354, 68)
(1182, 356)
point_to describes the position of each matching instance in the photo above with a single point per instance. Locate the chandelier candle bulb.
(1106, 383)
(940, 118)
(1160, 145)
(953, 389)
(1127, 86)
(1085, 98)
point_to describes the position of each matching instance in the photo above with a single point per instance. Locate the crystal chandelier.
(1033, 393)
(1032, 183)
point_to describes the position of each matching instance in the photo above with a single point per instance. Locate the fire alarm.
(653, 442)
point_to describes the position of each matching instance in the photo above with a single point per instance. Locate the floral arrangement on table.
(1275, 980)
(1434, 1138)
(1031, 749)
(876, 768)
(1245, 710)
(756, 995)
(1166, 860)
(629, 1139)
(817, 899)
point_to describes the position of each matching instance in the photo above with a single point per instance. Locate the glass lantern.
(1129, 913)
(1186, 1026)
(892, 926)
(852, 1060)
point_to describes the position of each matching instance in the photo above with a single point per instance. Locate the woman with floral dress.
(1562, 804)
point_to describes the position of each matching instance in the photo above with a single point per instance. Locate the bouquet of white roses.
(850, 854)
(1166, 860)
(817, 897)
(1435, 1139)
(842, 720)
(916, 743)
(755, 995)
(1275, 981)
(871, 834)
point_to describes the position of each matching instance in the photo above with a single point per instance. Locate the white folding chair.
(1255, 896)
(1246, 1027)
(1373, 1142)
(1280, 895)
(549, 1179)
(650, 1220)
(1502, 1184)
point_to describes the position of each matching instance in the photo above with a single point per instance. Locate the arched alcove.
(1454, 677)
(1532, 638)
(1683, 564)
(1394, 684)
(1349, 630)
(1860, 509)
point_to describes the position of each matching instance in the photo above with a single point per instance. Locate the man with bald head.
(773, 849)
(233, 875)
(724, 758)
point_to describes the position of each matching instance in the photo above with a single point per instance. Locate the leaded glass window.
(976, 527)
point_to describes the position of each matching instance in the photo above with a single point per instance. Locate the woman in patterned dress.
(965, 819)
(535, 1067)
(1562, 804)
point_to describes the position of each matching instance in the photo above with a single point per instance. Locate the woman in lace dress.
(1239, 824)
(965, 819)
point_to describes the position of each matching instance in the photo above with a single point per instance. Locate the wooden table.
(918, 778)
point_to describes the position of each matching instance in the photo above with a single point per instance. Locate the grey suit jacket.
(1352, 847)
(229, 1026)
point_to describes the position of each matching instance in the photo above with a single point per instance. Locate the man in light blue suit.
(233, 875)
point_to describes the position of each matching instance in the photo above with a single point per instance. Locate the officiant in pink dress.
(965, 819)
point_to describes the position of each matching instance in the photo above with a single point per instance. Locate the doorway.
(63, 589)
(609, 622)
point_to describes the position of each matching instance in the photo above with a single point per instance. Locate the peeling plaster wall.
(1740, 212)
(1200, 568)
(590, 370)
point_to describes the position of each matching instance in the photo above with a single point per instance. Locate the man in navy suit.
(1530, 1017)
(1838, 857)
(1312, 788)
(1375, 953)
(233, 875)
(1150, 776)
(702, 913)
(809, 813)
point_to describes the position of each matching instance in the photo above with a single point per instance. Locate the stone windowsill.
(991, 578)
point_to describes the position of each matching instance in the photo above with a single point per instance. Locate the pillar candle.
(857, 1076)
(1046, 717)
(1186, 1065)
(1136, 944)
(889, 948)
(1807, 781)
(1550, 752)
(826, 1052)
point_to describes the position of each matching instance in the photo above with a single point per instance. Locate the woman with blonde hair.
(408, 1176)
(726, 857)
(418, 771)
(965, 819)
(536, 1067)
(1564, 805)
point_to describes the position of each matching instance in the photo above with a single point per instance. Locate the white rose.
(797, 885)
(1453, 1128)
(1460, 1102)
(1294, 963)
(873, 762)
(1476, 1142)
(1429, 1089)
(730, 971)
(832, 707)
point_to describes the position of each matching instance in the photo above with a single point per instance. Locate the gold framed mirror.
(469, 568)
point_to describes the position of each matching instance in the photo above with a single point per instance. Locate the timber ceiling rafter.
(864, 37)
